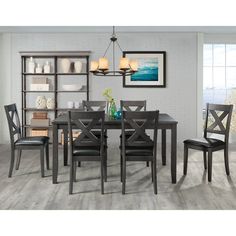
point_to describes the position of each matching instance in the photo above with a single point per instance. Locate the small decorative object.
(70, 104)
(46, 68)
(151, 69)
(118, 114)
(78, 66)
(71, 87)
(77, 105)
(65, 65)
(31, 66)
(112, 109)
(39, 69)
(50, 103)
(107, 93)
(41, 102)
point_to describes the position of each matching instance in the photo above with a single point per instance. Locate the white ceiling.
(82, 29)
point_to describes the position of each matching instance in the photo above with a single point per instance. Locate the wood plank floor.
(27, 190)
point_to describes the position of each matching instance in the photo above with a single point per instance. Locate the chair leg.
(209, 165)
(185, 159)
(18, 158)
(12, 162)
(102, 175)
(47, 156)
(123, 174)
(75, 167)
(205, 160)
(105, 167)
(79, 164)
(226, 157)
(155, 175)
(121, 166)
(42, 161)
(147, 163)
(71, 177)
(152, 171)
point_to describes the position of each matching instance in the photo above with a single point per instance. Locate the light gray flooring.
(27, 190)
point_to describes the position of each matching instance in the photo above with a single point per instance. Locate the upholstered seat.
(205, 142)
(34, 141)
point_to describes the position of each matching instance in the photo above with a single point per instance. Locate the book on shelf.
(40, 122)
(39, 132)
(40, 115)
(75, 134)
(39, 80)
(39, 87)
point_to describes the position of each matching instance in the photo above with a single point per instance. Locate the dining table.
(166, 122)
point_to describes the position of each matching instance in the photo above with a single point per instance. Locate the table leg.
(173, 152)
(163, 146)
(55, 154)
(65, 131)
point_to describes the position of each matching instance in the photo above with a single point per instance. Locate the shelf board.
(25, 73)
(74, 91)
(36, 109)
(29, 91)
(68, 109)
(72, 73)
(37, 127)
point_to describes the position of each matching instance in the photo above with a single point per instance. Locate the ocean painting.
(147, 70)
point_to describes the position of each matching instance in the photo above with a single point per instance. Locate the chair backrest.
(133, 105)
(94, 105)
(85, 121)
(13, 122)
(139, 121)
(218, 119)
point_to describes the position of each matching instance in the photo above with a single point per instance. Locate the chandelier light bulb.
(124, 63)
(93, 65)
(134, 65)
(103, 63)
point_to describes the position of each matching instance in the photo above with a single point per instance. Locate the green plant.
(107, 93)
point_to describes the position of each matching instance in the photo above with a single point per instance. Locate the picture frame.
(151, 72)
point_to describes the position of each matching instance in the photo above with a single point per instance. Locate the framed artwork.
(151, 69)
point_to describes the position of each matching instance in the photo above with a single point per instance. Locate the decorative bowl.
(71, 87)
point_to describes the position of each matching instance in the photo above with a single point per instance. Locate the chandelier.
(101, 67)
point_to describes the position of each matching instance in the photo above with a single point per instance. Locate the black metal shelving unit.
(54, 56)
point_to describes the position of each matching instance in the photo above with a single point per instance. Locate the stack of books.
(39, 84)
(40, 122)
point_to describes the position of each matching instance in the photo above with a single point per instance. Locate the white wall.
(179, 98)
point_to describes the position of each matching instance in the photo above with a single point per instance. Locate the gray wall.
(179, 98)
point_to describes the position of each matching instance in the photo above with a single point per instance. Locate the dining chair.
(87, 146)
(97, 106)
(19, 143)
(139, 146)
(217, 121)
(132, 105)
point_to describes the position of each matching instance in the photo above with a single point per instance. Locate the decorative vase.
(77, 105)
(46, 68)
(41, 102)
(65, 65)
(31, 66)
(70, 104)
(78, 66)
(39, 69)
(111, 109)
(118, 115)
(50, 103)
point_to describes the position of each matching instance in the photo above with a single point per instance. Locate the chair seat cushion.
(138, 151)
(205, 142)
(34, 141)
(87, 151)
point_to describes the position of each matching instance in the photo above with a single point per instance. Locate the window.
(219, 76)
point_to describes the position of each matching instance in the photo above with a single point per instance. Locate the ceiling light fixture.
(101, 67)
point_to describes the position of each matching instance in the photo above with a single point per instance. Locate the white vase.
(50, 103)
(41, 102)
(65, 65)
(46, 68)
(70, 104)
(31, 66)
(39, 69)
(78, 66)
